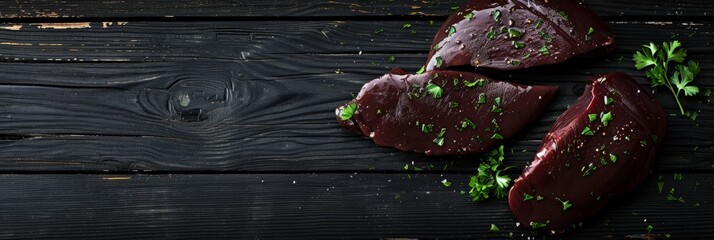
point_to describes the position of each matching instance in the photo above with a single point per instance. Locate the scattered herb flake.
(592, 117)
(392, 58)
(378, 31)
(348, 111)
(476, 83)
(439, 140)
(527, 197)
(658, 59)
(589, 35)
(538, 198)
(609, 100)
(496, 14)
(539, 23)
(427, 128)
(649, 228)
(407, 25)
(469, 16)
(482, 98)
(678, 177)
(434, 90)
(613, 158)
(515, 62)
(587, 132)
(606, 118)
(406, 166)
(489, 182)
(566, 204)
(446, 183)
(496, 136)
(491, 34)
(439, 61)
(421, 70)
(544, 50)
(518, 44)
(537, 225)
(563, 14)
(452, 30)
(545, 36)
(453, 105)
(494, 228)
(514, 33)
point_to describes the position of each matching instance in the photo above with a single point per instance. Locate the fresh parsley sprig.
(489, 181)
(658, 61)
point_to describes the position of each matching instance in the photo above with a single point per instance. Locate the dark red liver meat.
(392, 109)
(578, 168)
(549, 33)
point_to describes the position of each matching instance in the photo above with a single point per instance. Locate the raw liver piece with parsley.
(442, 112)
(515, 34)
(601, 148)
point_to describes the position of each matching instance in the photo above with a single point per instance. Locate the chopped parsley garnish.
(452, 30)
(592, 117)
(496, 109)
(446, 183)
(589, 35)
(427, 128)
(453, 105)
(407, 25)
(527, 197)
(545, 36)
(392, 58)
(494, 228)
(434, 90)
(587, 132)
(348, 111)
(421, 70)
(497, 101)
(537, 225)
(406, 166)
(476, 83)
(491, 34)
(439, 61)
(566, 204)
(678, 177)
(544, 50)
(658, 61)
(496, 14)
(489, 182)
(539, 23)
(439, 140)
(469, 16)
(482, 98)
(613, 158)
(563, 15)
(515, 62)
(609, 100)
(466, 123)
(514, 33)
(497, 136)
(378, 31)
(605, 118)
(518, 44)
(538, 198)
(649, 228)
(673, 198)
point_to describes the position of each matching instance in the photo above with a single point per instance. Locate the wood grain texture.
(312, 206)
(230, 96)
(308, 8)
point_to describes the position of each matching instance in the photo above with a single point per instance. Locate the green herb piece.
(392, 58)
(348, 111)
(514, 33)
(496, 109)
(427, 128)
(491, 34)
(439, 140)
(453, 105)
(605, 118)
(609, 100)
(496, 14)
(692, 115)
(439, 61)
(537, 225)
(497, 136)
(479, 82)
(592, 117)
(452, 30)
(539, 23)
(527, 197)
(482, 98)
(489, 182)
(497, 101)
(587, 132)
(613, 158)
(515, 62)
(494, 228)
(566, 203)
(649, 228)
(407, 25)
(434, 90)
(518, 44)
(378, 31)
(563, 15)
(421, 70)
(446, 183)
(406, 166)
(678, 177)
(708, 92)
(544, 50)
(466, 123)
(538, 198)
(657, 61)
(469, 16)
(589, 35)
(504, 29)
(545, 36)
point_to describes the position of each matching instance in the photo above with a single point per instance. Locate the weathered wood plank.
(208, 116)
(312, 206)
(258, 40)
(309, 8)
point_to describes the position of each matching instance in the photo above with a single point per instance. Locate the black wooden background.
(207, 118)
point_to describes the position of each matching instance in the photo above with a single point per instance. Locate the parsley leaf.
(348, 111)
(469, 16)
(452, 30)
(489, 182)
(496, 15)
(434, 90)
(421, 70)
(479, 82)
(586, 131)
(657, 62)
(439, 61)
